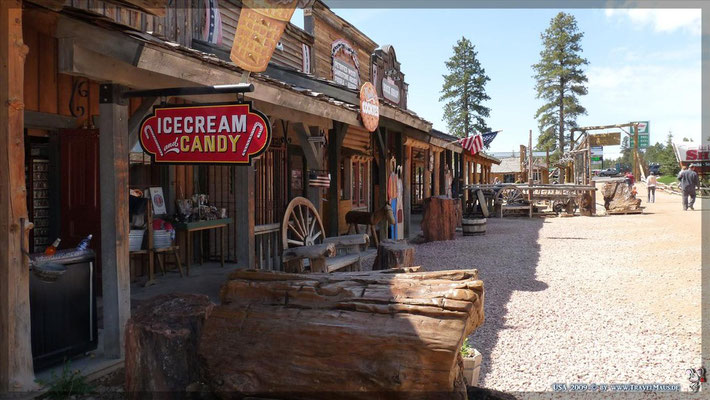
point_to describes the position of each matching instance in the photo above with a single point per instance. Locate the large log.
(161, 344)
(351, 335)
(440, 218)
(392, 254)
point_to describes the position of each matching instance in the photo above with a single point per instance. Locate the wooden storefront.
(65, 100)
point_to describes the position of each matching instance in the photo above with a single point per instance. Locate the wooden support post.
(314, 160)
(407, 188)
(335, 144)
(636, 152)
(437, 173)
(382, 140)
(427, 174)
(466, 179)
(16, 373)
(245, 198)
(113, 170)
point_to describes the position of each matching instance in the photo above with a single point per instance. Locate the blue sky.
(644, 64)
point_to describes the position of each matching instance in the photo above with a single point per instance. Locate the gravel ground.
(607, 299)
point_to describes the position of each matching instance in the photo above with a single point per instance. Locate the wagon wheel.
(510, 196)
(302, 225)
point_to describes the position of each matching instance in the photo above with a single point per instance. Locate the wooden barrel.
(474, 226)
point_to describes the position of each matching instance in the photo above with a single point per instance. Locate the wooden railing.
(267, 244)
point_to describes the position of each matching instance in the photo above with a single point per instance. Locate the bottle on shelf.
(51, 250)
(84, 244)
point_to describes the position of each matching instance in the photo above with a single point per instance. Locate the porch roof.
(86, 39)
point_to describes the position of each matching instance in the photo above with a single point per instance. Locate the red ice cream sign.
(211, 133)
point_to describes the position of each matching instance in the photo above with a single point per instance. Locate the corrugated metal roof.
(507, 165)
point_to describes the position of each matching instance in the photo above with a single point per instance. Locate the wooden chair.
(162, 253)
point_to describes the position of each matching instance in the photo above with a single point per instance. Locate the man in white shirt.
(651, 182)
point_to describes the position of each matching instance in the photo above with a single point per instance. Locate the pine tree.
(464, 90)
(560, 80)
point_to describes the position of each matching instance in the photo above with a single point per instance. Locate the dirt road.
(605, 300)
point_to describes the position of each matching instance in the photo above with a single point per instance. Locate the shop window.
(509, 178)
(360, 183)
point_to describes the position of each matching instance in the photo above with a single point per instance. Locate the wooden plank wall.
(325, 35)
(176, 25)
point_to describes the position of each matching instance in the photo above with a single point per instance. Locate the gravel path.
(610, 299)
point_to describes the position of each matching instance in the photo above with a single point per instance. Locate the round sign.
(369, 107)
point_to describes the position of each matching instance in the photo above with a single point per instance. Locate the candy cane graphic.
(251, 135)
(155, 139)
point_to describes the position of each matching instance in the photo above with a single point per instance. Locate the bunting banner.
(212, 31)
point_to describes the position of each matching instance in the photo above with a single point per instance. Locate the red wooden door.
(80, 197)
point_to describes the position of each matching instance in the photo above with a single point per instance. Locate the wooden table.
(200, 226)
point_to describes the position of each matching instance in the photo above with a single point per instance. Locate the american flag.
(473, 144)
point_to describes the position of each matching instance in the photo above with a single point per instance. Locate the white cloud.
(668, 96)
(660, 19)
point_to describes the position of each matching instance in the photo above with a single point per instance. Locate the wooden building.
(66, 66)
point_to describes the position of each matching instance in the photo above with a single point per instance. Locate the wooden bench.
(528, 207)
(335, 253)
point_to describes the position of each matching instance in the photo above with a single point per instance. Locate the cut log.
(585, 204)
(161, 344)
(392, 254)
(350, 336)
(618, 198)
(440, 218)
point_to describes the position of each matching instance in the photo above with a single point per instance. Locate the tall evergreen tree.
(464, 91)
(560, 80)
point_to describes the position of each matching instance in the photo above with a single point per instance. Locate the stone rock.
(618, 198)
(161, 344)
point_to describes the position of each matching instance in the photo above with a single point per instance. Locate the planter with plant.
(471, 363)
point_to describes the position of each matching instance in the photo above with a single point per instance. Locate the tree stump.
(440, 218)
(585, 204)
(161, 344)
(353, 335)
(392, 254)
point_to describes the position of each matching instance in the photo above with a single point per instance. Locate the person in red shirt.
(629, 179)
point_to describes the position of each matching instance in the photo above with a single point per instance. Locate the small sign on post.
(644, 135)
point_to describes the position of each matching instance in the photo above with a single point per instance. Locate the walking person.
(651, 183)
(688, 182)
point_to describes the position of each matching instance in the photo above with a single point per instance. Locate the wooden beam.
(407, 187)
(310, 151)
(113, 171)
(16, 372)
(41, 120)
(382, 137)
(393, 113)
(437, 173)
(335, 144)
(245, 202)
(158, 68)
(145, 108)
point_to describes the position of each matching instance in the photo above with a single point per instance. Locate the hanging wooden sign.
(369, 107)
(205, 134)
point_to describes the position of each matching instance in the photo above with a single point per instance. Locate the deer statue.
(371, 219)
